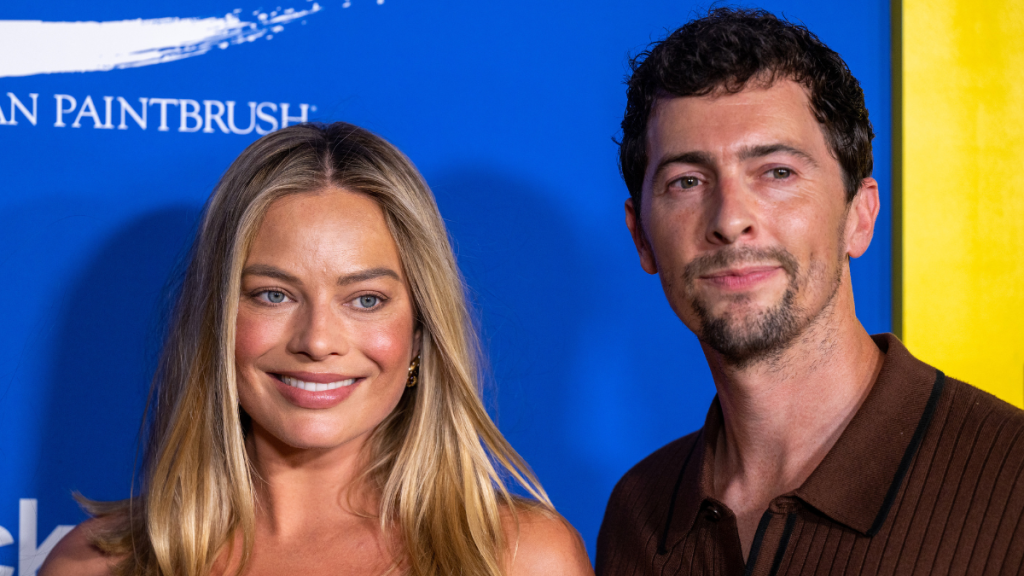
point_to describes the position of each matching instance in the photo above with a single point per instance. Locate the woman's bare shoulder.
(546, 544)
(76, 555)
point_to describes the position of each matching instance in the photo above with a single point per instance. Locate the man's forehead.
(747, 117)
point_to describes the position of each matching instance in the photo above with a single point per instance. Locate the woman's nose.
(319, 332)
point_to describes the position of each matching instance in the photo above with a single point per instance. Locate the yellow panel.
(963, 189)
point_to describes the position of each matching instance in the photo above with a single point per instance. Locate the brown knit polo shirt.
(928, 478)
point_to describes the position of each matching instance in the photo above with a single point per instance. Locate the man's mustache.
(731, 257)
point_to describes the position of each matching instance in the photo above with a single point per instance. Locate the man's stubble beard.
(763, 335)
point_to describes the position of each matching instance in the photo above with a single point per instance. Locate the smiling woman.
(316, 408)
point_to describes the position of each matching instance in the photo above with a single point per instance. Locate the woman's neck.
(299, 490)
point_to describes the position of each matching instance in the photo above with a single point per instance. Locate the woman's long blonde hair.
(438, 462)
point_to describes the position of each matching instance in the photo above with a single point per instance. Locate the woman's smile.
(314, 396)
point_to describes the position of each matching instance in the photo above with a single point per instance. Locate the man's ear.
(860, 218)
(643, 247)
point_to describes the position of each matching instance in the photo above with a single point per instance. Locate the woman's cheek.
(254, 335)
(390, 344)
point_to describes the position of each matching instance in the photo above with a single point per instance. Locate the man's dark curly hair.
(722, 52)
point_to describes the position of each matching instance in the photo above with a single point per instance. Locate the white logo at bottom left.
(30, 557)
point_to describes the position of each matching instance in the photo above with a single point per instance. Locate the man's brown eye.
(688, 182)
(782, 173)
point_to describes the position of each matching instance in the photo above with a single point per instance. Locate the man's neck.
(781, 416)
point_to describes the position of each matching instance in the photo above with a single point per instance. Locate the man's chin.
(739, 347)
(749, 338)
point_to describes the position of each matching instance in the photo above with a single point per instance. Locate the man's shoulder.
(964, 493)
(976, 405)
(654, 477)
(962, 412)
(976, 441)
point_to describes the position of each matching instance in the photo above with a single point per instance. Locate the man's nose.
(319, 332)
(731, 212)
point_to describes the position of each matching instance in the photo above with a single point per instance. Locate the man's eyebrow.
(270, 272)
(769, 149)
(368, 274)
(694, 157)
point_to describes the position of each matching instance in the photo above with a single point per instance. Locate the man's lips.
(740, 278)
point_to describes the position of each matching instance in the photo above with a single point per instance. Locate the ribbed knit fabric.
(927, 479)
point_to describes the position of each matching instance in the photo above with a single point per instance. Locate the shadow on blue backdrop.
(103, 357)
(522, 263)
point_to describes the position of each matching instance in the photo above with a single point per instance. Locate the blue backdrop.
(508, 109)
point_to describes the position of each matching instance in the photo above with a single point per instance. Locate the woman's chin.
(287, 439)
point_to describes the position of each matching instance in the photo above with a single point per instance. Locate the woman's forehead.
(330, 228)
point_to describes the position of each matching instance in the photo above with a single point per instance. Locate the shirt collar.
(860, 476)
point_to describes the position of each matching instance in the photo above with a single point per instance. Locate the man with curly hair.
(746, 149)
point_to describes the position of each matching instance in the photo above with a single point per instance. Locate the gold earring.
(414, 372)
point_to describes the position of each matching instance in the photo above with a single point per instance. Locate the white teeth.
(313, 386)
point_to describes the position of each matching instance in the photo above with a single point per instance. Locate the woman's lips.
(741, 278)
(315, 391)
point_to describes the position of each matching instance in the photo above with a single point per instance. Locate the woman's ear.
(417, 340)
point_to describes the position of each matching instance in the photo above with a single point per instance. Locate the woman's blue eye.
(274, 297)
(367, 301)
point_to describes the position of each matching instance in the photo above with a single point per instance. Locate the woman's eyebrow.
(270, 272)
(368, 274)
(275, 272)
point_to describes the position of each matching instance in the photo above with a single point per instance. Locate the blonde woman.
(316, 408)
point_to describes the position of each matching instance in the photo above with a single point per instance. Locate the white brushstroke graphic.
(29, 47)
